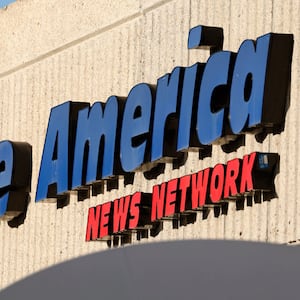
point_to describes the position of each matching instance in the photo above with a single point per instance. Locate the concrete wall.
(54, 51)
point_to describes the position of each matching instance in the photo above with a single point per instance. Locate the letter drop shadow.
(20, 219)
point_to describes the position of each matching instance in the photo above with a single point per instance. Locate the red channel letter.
(246, 179)
(158, 200)
(184, 184)
(92, 229)
(232, 174)
(171, 197)
(121, 207)
(199, 188)
(104, 220)
(135, 210)
(217, 183)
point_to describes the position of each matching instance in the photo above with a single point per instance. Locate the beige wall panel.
(53, 25)
(284, 220)
(88, 50)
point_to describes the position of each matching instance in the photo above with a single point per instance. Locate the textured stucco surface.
(55, 51)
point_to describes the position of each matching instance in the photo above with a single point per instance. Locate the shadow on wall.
(173, 270)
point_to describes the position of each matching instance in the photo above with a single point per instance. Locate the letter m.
(95, 142)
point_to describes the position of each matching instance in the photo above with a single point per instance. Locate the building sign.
(190, 108)
(183, 196)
